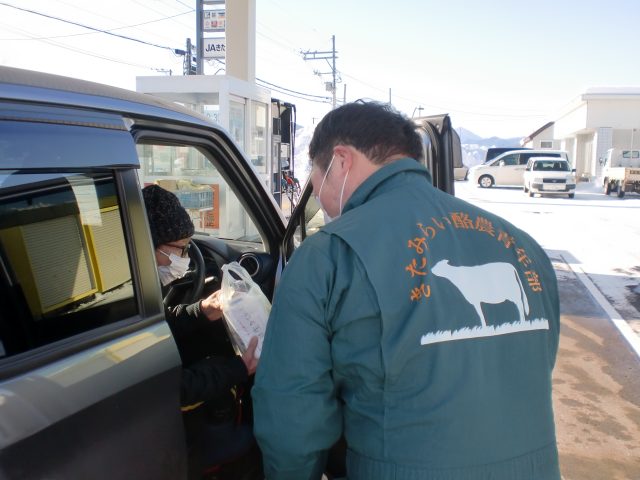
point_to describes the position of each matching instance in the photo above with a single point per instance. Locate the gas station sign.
(213, 20)
(214, 47)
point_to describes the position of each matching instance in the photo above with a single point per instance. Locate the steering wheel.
(188, 288)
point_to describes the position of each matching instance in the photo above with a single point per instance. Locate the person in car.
(421, 328)
(209, 384)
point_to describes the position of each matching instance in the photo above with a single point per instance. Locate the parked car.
(461, 173)
(549, 176)
(508, 168)
(89, 370)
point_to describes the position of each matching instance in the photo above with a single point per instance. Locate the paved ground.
(597, 375)
(596, 389)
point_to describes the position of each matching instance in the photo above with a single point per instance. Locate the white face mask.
(327, 217)
(176, 269)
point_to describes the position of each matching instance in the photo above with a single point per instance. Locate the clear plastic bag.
(245, 308)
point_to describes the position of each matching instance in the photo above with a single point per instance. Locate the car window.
(507, 160)
(64, 267)
(200, 185)
(551, 166)
(314, 219)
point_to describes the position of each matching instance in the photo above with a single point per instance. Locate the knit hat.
(168, 220)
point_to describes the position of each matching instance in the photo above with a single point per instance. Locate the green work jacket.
(424, 330)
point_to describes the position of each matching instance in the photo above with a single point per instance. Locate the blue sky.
(499, 67)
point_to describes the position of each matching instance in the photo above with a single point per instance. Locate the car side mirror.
(573, 170)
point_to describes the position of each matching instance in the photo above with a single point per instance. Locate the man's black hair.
(375, 129)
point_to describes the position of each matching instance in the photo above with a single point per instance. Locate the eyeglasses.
(184, 250)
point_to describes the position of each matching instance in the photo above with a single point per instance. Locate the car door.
(518, 171)
(89, 372)
(527, 176)
(442, 151)
(508, 170)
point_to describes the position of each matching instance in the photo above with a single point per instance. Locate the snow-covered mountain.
(474, 147)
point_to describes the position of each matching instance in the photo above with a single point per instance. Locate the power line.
(323, 98)
(106, 32)
(147, 7)
(184, 4)
(294, 93)
(110, 30)
(84, 52)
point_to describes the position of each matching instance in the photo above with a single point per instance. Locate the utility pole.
(190, 60)
(199, 38)
(315, 55)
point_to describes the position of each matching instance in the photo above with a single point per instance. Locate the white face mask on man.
(328, 218)
(176, 269)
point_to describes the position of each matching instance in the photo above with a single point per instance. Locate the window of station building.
(237, 122)
(546, 144)
(258, 151)
(212, 111)
(64, 267)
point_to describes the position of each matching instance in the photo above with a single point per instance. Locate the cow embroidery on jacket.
(471, 282)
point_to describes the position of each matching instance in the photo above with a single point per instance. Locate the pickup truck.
(621, 171)
(89, 369)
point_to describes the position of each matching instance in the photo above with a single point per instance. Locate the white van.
(508, 168)
(549, 176)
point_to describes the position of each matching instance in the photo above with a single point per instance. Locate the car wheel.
(525, 188)
(486, 181)
(607, 188)
(571, 195)
(531, 194)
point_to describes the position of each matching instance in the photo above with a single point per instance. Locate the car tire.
(607, 188)
(531, 194)
(571, 195)
(485, 181)
(525, 189)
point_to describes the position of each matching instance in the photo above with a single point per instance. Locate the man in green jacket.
(421, 328)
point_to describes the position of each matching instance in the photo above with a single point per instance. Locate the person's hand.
(249, 356)
(210, 306)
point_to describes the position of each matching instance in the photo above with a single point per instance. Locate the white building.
(598, 119)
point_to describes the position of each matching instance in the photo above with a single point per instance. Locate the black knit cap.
(168, 220)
